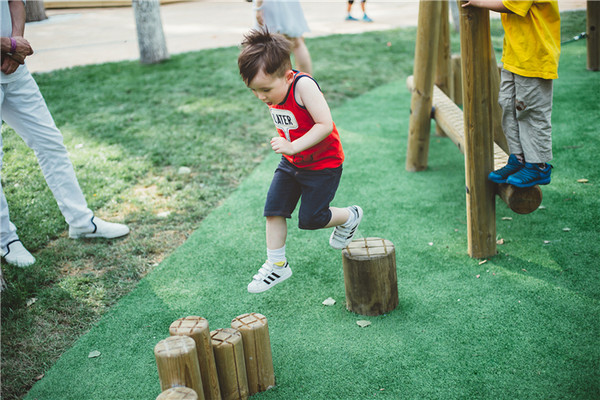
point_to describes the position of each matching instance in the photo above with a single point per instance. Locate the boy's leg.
(282, 198)
(510, 125)
(276, 269)
(533, 110)
(339, 216)
(507, 100)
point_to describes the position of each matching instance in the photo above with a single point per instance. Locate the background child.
(286, 17)
(530, 62)
(311, 165)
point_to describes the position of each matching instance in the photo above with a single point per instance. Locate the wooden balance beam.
(449, 117)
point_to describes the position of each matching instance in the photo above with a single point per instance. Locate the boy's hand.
(282, 146)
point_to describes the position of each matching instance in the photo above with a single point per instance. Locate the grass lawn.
(525, 328)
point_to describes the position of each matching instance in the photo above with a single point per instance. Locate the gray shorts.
(526, 111)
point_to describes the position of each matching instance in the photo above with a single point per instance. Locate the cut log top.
(188, 325)
(249, 321)
(178, 393)
(368, 248)
(174, 346)
(225, 337)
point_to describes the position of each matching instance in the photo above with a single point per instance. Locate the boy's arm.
(311, 97)
(494, 5)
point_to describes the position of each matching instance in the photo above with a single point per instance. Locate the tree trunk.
(151, 38)
(35, 11)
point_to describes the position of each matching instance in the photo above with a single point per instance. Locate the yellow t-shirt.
(531, 38)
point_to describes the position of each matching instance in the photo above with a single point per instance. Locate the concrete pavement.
(83, 36)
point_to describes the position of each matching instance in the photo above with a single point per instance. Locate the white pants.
(526, 112)
(23, 108)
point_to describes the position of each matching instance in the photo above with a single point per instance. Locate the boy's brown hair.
(262, 50)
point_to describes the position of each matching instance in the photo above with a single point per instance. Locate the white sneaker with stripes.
(342, 235)
(269, 275)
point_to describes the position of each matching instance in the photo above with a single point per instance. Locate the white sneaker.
(17, 254)
(342, 235)
(100, 229)
(268, 276)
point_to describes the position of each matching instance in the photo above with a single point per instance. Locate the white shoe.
(342, 235)
(17, 254)
(99, 229)
(268, 276)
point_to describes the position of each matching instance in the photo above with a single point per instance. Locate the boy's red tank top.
(293, 121)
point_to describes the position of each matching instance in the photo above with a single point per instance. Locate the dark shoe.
(500, 175)
(530, 175)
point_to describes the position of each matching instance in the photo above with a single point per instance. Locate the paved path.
(84, 36)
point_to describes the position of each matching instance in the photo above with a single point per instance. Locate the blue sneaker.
(351, 18)
(366, 18)
(500, 175)
(530, 175)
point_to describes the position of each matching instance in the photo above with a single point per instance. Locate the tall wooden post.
(426, 50)
(477, 105)
(443, 69)
(593, 35)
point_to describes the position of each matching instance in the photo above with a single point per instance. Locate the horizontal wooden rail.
(449, 117)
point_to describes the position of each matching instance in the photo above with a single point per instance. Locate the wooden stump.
(231, 367)
(197, 329)
(178, 393)
(177, 363)
(257, 351)
(370, 276)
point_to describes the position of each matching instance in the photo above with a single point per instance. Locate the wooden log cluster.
(233, 363)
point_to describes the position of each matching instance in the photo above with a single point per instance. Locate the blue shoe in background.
(500, 175)
(530, 175)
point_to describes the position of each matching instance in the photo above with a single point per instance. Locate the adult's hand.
(9, 64)
(22, 48)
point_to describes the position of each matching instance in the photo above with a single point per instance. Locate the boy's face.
(271, 89)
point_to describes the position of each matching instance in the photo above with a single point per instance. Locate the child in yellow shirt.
(530, 63)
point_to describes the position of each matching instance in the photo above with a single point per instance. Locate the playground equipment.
(227, 363)
(370, 276)
(231, 366)
(476, 130)
(177, 362)
(178, 393)
(257, 351)
(197, 328)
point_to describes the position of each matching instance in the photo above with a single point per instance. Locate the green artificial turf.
(521, 325)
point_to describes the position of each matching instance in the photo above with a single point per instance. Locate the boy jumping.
(312, 155)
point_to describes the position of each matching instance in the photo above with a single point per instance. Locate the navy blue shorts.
(317, 189)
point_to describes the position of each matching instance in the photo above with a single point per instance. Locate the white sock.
(351, 218)
(277, 256)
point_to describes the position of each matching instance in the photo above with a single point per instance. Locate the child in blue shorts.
(312, 154)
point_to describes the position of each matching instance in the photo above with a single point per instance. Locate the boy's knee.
(314, 221)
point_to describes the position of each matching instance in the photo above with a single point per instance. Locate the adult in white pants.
(23, 108)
